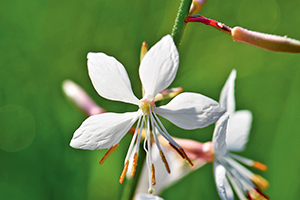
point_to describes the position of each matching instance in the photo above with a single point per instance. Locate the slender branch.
(180, 24)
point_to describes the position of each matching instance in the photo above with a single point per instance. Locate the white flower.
(157, 71)
(231, 134)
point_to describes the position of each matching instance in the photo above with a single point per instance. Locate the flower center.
(145, 105)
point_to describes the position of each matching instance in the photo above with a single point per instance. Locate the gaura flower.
(157, 71)
(231, 134)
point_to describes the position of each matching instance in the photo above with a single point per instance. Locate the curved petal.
(219, 136)
(159, 66)
(103, 131)
(227, 93)
(219, 173)
(191, 111)
(110, 78)
(239, 126)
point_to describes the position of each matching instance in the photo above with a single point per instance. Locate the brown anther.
(165, 161)
(124, 172)
(153, 174)
(248, 195)
(261, 193)
(134, 164)
(110, 150)
(186, 157)
(260, 166)
(176, 149)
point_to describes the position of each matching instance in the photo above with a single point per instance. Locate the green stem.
(131, 184)
(180, 24)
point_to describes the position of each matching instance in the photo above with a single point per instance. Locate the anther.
(260, 182)
(186, 157)
(134, 164)
(165, 161)
(261, 193)
(260, 166)
(153, 174)
(110, 150)
(124, 172)
(176, 149)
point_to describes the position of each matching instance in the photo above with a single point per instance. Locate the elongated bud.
(266, 41)
(261, 40)
(144, 50)
(197, 6)
(80, 98)
(168, 93)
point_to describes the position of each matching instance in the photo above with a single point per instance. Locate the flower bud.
(197, 6)
(144, 50)
(80, 98)
(265, 41)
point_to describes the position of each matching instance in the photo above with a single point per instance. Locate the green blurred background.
(44, 42)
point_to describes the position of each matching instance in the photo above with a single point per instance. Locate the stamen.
(260, 166)
(176, 149)
(165, 161)
(186, 157)
(110, 150)
(248, 195)
(134, 164)
(260, 182)
(262, 194)
(124, 172)
(153, 174)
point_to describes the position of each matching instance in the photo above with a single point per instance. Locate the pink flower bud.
(197, 6)
(80, 98)
(265, 41)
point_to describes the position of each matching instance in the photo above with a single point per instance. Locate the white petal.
(191, 111)
(239, 126)
(219, 172)
(103, 131)
(110, 78)
(143, 196)
(227, 93)
(159, 66)
(219, 136)
(228, 189)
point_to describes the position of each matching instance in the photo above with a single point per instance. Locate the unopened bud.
(265, 41)
(168, 93)
(80, 98)
(144, 50)
(197, 6)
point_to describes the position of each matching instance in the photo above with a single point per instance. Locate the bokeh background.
(44, 42)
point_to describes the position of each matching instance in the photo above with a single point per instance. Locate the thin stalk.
(180, 24)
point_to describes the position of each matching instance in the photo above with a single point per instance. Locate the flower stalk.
(180, 24)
